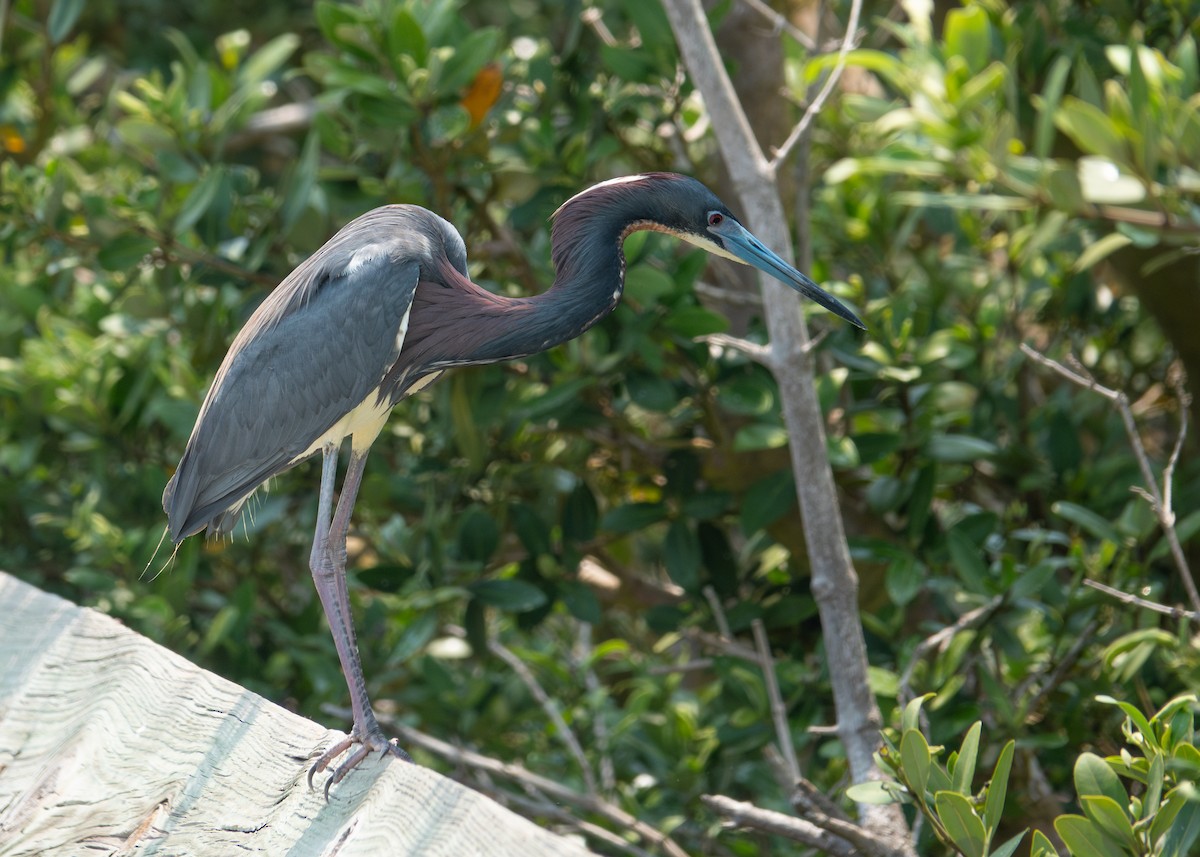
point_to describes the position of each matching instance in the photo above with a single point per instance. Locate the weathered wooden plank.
(112, 745)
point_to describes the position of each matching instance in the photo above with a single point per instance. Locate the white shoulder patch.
(363, 255)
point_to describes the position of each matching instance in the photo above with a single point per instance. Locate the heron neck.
(589, 279)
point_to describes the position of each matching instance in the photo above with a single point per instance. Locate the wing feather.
(314, 350)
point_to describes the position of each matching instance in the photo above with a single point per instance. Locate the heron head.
(686, 208)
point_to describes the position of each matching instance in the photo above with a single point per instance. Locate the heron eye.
(715, 218)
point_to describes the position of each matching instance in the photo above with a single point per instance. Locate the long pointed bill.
(746, 248)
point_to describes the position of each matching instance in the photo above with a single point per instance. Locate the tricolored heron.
(382, 310)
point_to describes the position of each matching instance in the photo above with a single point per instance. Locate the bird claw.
(374, 740)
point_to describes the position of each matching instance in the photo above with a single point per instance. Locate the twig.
(695, 664)
(727, 296)
(782, 24)
(608, 779)
(755, 351)
(940, 639)
(797, 829)
(1060, 669)
(1185, 405)
(526, 778)
(827, 815)
(594, 18)
(714, 602)
(830, 82)
(723, 645)
(549, 706)
(783, 731)
(273, 122)
(541, 808)
(808, 797)
(1157, 497)
(1126, 598)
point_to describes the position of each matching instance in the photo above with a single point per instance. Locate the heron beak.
(744, 247)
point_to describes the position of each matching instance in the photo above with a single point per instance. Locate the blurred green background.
(983, 176)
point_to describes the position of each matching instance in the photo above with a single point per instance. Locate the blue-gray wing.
(316, 348)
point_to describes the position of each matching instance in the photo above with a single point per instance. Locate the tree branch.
(527, 778)
(1159, 499)
(1125, 597)
(782, 24)
(834, 582)
(549, 706)
(940, 639)
(783, 732)
(749, 815)
(848, 42)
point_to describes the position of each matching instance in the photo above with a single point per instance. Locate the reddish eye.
(715, 218)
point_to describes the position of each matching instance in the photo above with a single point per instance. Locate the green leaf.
(63, 15)
(959, 448)
(681, 554)
(1087, 520)
(968, 35)
(874, 792)
(632, 517)
(879, 62)
(1184, 832)
(531, 529)
(1111, 819)
(1091, 129)
(1041, 846)
(966, 558)
(303, 176)
(385, 578)
(124, 252)
(768, 500)
(198, 201)
(472, 53)
(753, 396)
(1152, 798)
(1056, 81)
(1085, 839)
(268, 59)
(910, 718)
(1101, 249)
(964, 766)
(905, 577)
(962, 824)
(414, 637)
(916, 759)
(993, 807)
(406, 38)
(647, 284)
(1164, 820)
(579, 514)
(581, 601)
(706, 505)
(1093, 776)
(553, 401)
(693, 321)
(758, 436)
(478, 535)
(652, 392)
(1140, 723)
(1008, 848)
(513, 596)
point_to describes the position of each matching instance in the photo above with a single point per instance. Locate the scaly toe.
(375, 741)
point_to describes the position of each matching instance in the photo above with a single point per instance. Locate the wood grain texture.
(112, 745)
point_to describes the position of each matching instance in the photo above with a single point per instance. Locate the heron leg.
(328, 564)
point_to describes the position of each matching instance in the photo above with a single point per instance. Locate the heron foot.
(365, 742)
